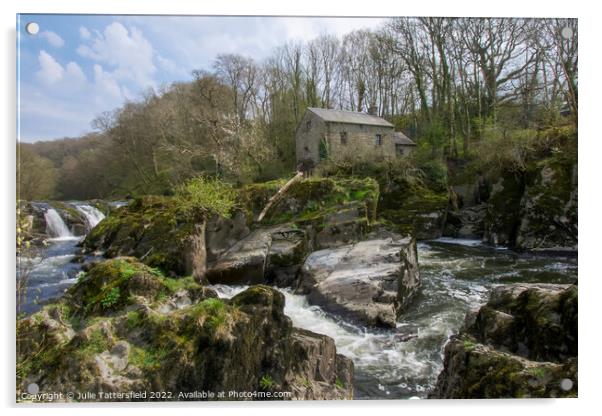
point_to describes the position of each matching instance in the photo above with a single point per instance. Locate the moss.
(155, 229)
(149, 358)
(96, 343)
(186, 283)
(106, 286)
(312, 199)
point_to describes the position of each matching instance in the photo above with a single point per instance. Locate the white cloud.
(52, 38)
(84, 33)
(106, 83)
(50, 71)
(74, 73)
(127, 53)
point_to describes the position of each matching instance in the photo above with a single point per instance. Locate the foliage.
(111, 298)
(202, 194)
(266, 382)
(36, 175)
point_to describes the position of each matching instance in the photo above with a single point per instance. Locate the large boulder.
(371, 282)
(522, 343)
(244, 262)
(155, 342)
(267, 255)
(156, 231)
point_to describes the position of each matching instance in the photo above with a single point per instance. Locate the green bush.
(202, 194)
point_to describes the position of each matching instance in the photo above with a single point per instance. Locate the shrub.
(202, 194)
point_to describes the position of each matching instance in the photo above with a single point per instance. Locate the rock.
(549, 207)
(470, 222)
(287, 252)
(222, 233)
(502, 216)
(477, 371)
(522, 343)
(244, 262)
(154, 230)
(244, 344)
(535, 209)
(372, 282)
(318, 369)
(113, 284)
(421, 213)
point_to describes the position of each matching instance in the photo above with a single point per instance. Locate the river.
(389, 364)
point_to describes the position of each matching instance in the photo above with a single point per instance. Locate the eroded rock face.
(174, 336)
(549, 208)
(371, 282)
(152, 229)
(522, 343)
(244, 262)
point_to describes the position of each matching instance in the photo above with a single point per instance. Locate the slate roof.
(400, 138)
(349, 117)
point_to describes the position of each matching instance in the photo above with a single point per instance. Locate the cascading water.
(92, 214)
(55, 226)
(404, 362)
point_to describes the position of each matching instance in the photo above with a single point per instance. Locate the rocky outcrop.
(125, 327)
(370, 282)
(549, 207)
(522, 343)
(535, 209)
(244, 262)
(420, 212)
(466, 222)
(154, 230)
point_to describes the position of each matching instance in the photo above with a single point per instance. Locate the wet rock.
(522, 343)
(371, 282)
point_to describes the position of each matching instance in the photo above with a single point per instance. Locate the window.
(399, 149)
(379, 140)
(343, 137)
(308, 125)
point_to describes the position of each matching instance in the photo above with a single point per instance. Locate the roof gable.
(349, 117)
(400, 138)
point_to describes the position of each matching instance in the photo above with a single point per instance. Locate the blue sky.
(78, 66)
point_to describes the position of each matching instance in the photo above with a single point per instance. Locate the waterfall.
(55, 226)
(93, 215)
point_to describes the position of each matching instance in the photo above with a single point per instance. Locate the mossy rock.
(212, 345)
(421, 213)
(502, 216)
(549, 206)
(152, 229)
(311, 199)
(110, 285)
(475, 371)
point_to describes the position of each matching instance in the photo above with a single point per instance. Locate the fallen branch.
(278, 195)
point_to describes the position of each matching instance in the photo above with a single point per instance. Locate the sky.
(78, 66)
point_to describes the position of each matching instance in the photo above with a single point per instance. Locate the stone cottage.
(324, 134)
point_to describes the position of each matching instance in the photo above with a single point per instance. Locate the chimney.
(372, 110)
